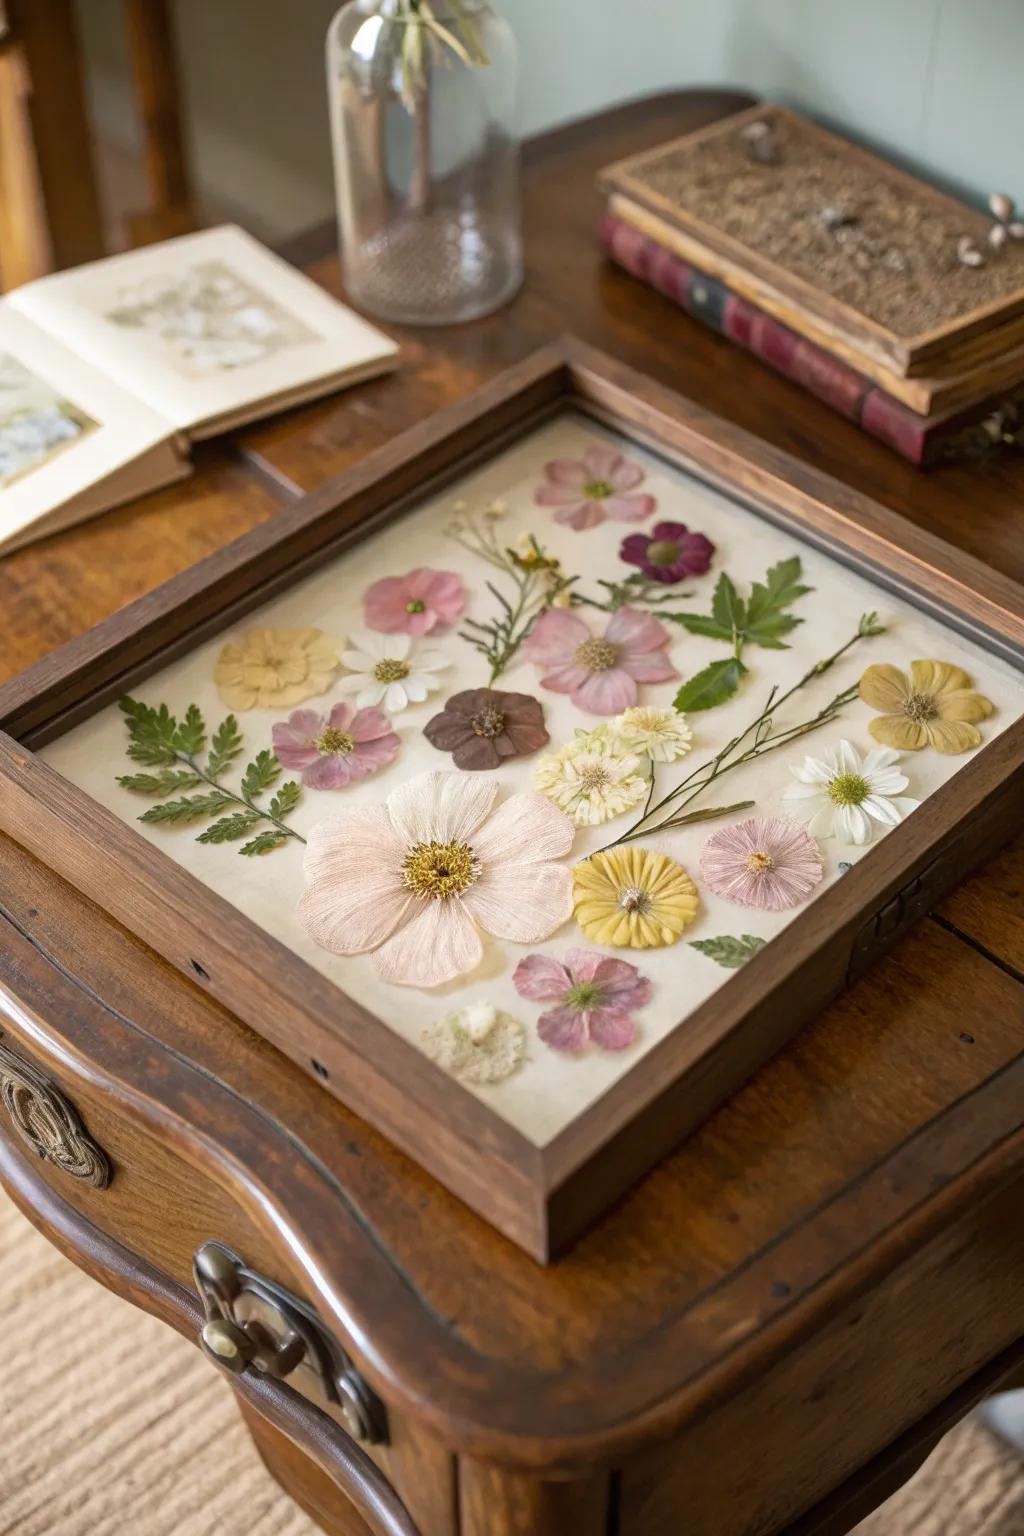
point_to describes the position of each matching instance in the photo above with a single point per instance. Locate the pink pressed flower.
(417, 878)
(595, 996)
(332, 750)
(587, 491)
(600, 673)
(414, 604)
(768, 863)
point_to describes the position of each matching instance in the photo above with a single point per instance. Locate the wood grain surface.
(889, 1132)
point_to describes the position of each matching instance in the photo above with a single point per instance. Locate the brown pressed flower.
(482, 726)
(935, 707)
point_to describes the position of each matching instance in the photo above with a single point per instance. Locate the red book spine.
(829, 380)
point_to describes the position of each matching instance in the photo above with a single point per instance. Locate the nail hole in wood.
(200, 972)
(968, 1039)
(319, 1069)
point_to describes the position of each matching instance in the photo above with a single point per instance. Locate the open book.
(107, 371)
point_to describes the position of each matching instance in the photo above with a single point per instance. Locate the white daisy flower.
(592, 778)
(841, 795)
(392, 670)
(660, 734)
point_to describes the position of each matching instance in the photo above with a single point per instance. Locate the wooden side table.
(774, 1328)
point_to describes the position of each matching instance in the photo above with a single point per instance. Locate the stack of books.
(897, 305)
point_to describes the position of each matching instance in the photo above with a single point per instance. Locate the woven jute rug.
(112, 1425)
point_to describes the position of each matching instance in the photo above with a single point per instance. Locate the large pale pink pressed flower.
(600, 672)
(332, 750)
(414, 604)
(600, 485)
(417, 878)
(596, 997)
(769, 863)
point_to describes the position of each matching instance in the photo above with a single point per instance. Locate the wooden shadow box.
(542, 1155)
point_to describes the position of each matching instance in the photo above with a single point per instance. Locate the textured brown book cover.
(822, 229)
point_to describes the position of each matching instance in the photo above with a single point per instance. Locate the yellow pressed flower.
(274, 668)
(935, 707)
(632, 898)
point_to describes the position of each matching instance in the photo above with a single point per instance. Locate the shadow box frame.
(539, 1197)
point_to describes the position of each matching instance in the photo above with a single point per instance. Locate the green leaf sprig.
(760, 619)
(173, 748)
(728, 951)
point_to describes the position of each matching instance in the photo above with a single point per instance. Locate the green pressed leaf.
(728, 609)
(160, 783)
(699, 624)
(191, 808)
(714, 685)
(225, 747)
(260, 774)
(151, 732)
(730, 952)
(190, 737)
(780, 589)
(286, 799)
(768, 630)
(266, 842)
(230, 828)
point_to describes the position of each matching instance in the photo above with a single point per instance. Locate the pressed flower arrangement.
(541, 781)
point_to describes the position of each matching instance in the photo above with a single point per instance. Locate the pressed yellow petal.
(952, 736)
(899, 732)
(934, 677)
(884, 687)
(963, 704)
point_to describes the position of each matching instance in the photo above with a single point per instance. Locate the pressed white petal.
(905, 804)
(881, 757)
(441, 806)
(851, 825)
(886, 781)
(439, 944)
(355, 918)
(354, 680)
(427, 660)
(524, 903)
(372, 695)
(822, 823)
(340, 846)
(359, 661)
(525, 828)
(395, 696)
(812, 771)
(883, 810)
(802, 791)
(415, 690)
(848, 758)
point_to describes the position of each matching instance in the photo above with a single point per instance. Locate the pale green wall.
(937, 82)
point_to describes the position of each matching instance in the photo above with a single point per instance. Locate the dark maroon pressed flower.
(482, 726)
(668, 553)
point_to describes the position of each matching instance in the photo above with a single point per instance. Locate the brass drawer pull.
(48, 1122)
(250, 1321)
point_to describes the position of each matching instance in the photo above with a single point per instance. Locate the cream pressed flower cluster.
(607, 771)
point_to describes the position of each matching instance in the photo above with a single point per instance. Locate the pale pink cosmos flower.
(600, 485)
(417, 878)
(332, 750)
(600, 673)
(766, 862)
(414, 604)
(596, 997)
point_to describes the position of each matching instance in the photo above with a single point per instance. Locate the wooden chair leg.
(151, 46)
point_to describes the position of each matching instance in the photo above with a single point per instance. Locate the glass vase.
(426, 155)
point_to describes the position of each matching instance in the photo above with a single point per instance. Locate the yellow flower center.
(760, 862)
(333, 742)
(594, 777)
(489, 723)
(920, 707)
(662, 552)
(437, 871)
(598, 490)
(390, 670)
(585, 994)
(848, 789)
(597, 655)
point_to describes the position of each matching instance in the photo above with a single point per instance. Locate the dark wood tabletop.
(742, 1291)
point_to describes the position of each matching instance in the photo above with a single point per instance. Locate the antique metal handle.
(48, 1122)
(253, 1323)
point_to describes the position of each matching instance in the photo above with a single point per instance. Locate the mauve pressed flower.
(599, 485)
(668, 553)
(596, 997)
(766, 862)
(332, 750)
(600, 673)
(481, 727)
(416, 603)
